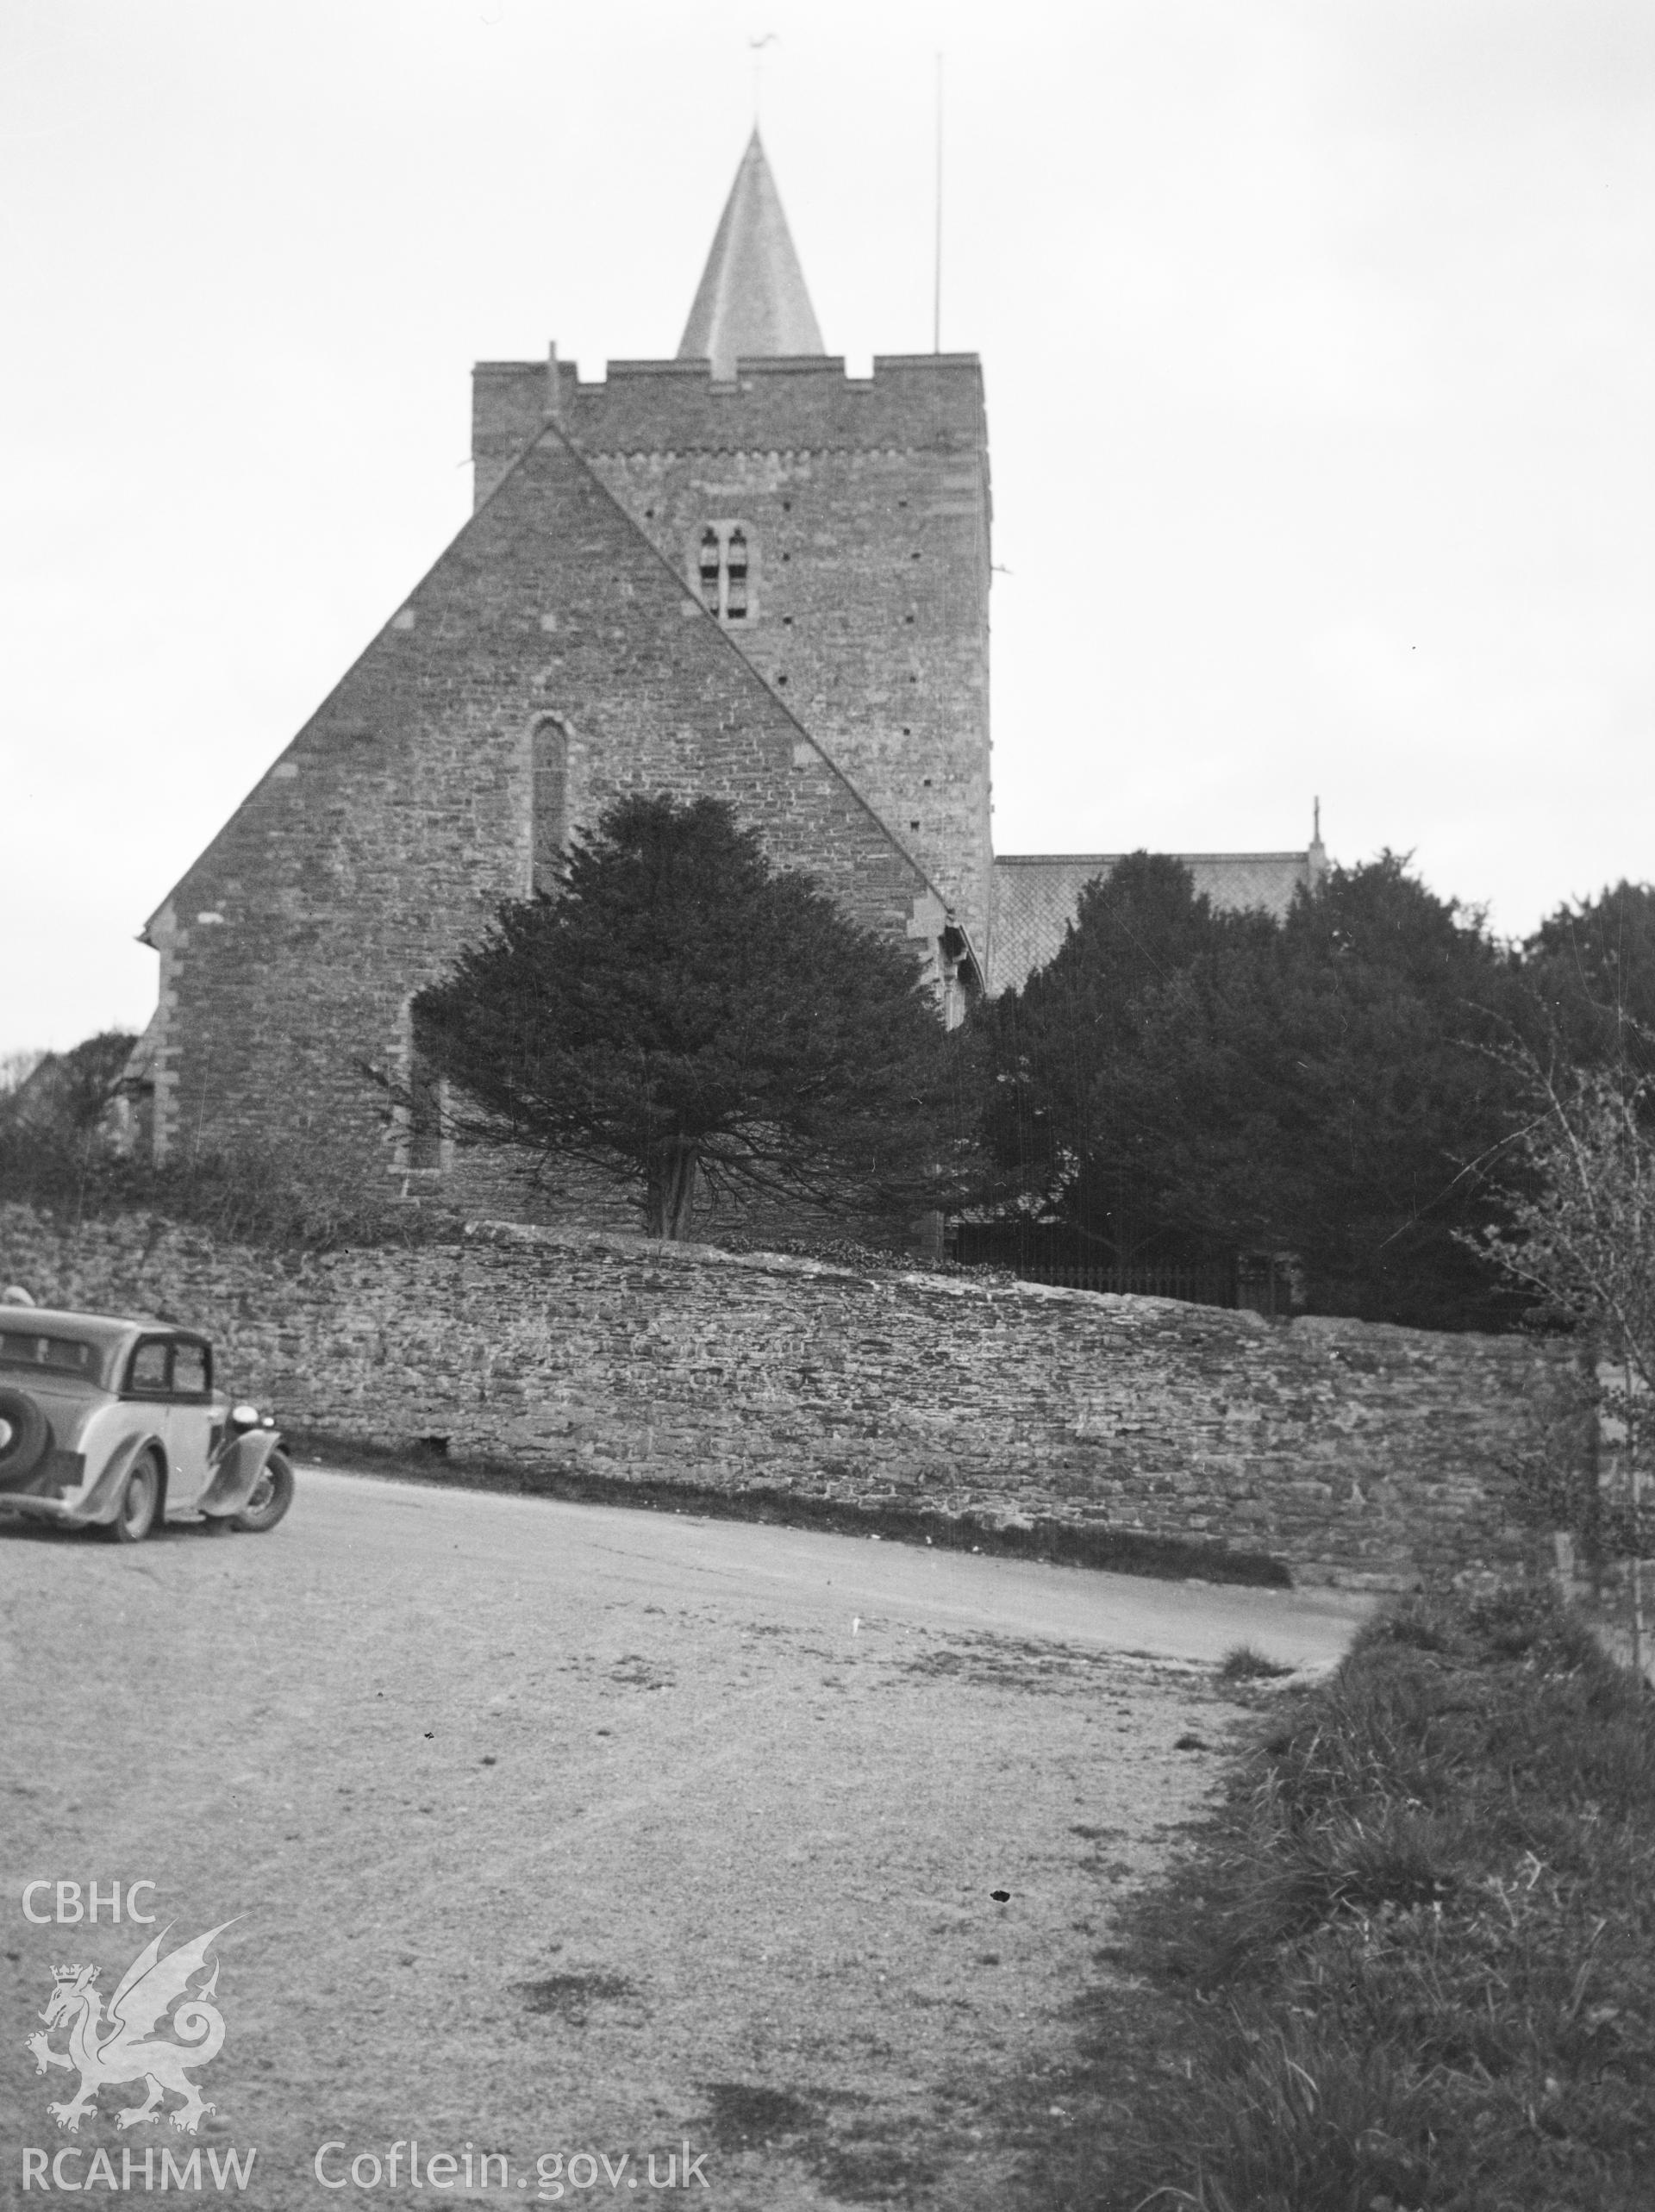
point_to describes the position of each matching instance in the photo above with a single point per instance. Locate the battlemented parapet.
(920, 401)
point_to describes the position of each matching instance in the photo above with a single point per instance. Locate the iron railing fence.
(1198, 1286)
(1211, 1282)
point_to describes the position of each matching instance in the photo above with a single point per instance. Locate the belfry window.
(711, 563)
(724, 572)
(735, 578)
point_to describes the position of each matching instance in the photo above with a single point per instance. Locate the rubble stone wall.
(1355, 1454)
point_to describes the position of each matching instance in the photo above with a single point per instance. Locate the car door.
(148, 1379)
(189, 1421)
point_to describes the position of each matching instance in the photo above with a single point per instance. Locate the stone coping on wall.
(655, 1251)
(596, 1362)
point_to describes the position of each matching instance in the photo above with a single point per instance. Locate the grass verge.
(1410, 1960)
(1118, 1551)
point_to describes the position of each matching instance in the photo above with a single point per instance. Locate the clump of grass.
(1411, 1960)
(567, 1996)
(749, 2114)
(1242, 1663)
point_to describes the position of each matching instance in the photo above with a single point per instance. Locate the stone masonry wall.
(1366, 1456)
(382, 841)
(865, 502)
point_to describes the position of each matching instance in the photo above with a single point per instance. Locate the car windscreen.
(56, 1355)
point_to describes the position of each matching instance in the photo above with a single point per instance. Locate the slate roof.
(1035, 896)
(752, 299)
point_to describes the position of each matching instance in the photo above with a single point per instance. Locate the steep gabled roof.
(752, 298)
(551, 598)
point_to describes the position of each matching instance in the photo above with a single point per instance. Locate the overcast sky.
(1319, 347)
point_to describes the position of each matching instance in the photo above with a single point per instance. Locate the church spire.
(752, 298)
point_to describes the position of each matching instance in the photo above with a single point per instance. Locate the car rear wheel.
(140, 1499)
(270, 1499)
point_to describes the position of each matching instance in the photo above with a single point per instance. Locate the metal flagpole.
(936, 292)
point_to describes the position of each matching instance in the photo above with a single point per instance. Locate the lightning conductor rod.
(936, 287)
(758, 47)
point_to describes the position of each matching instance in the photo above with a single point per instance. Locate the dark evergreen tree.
(1068, 1119)
(1180, 1084)
(679, 1012)
(1402, 1106)
(1590, 969)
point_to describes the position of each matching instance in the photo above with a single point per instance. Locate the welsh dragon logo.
(124, 2047)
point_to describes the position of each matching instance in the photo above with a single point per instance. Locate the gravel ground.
(551, 1829)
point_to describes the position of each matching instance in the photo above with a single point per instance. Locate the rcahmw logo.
(146, 2169)
(161, 2028)
(70, 1908)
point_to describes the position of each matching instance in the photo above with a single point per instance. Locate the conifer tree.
(683, 1016)
(1179, 1084)
(1590, 969)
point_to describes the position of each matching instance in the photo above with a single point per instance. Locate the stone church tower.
(741, 574)
(835, 527)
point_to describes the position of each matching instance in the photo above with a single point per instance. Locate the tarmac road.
(657, 1553)
(566, 1833)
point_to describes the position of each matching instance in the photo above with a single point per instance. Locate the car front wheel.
(140, 1499)
(270, 1497)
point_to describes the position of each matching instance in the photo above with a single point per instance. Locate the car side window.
(149, 1371)
(192, 1370)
